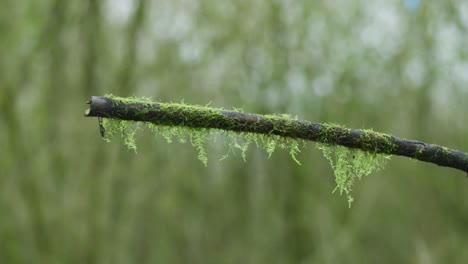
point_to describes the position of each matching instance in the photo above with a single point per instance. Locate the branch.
(204, 117)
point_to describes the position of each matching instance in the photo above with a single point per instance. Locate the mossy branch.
(171, 114)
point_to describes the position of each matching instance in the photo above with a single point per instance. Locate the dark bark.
(203, 117)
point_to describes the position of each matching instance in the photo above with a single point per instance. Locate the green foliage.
(126, 129)
(350, 165)
(235, 141)
(199, 136)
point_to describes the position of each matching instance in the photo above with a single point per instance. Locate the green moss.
(419, 151)
(236, 142)
(370, 137)
(446, 151)
(350, 165)
(198, 138)
(126, 129)
(131, 99)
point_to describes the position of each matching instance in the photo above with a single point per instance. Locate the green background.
(66, 196)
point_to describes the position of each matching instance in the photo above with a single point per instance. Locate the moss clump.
(350, 165)
(370, 137)
(126, 129)
(235, 141)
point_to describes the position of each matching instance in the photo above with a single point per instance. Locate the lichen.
(350, 165)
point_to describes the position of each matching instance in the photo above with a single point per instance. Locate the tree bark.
(205, 117)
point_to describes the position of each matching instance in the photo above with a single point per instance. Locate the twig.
(205, 117)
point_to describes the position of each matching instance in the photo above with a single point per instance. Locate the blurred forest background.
(66, 196)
